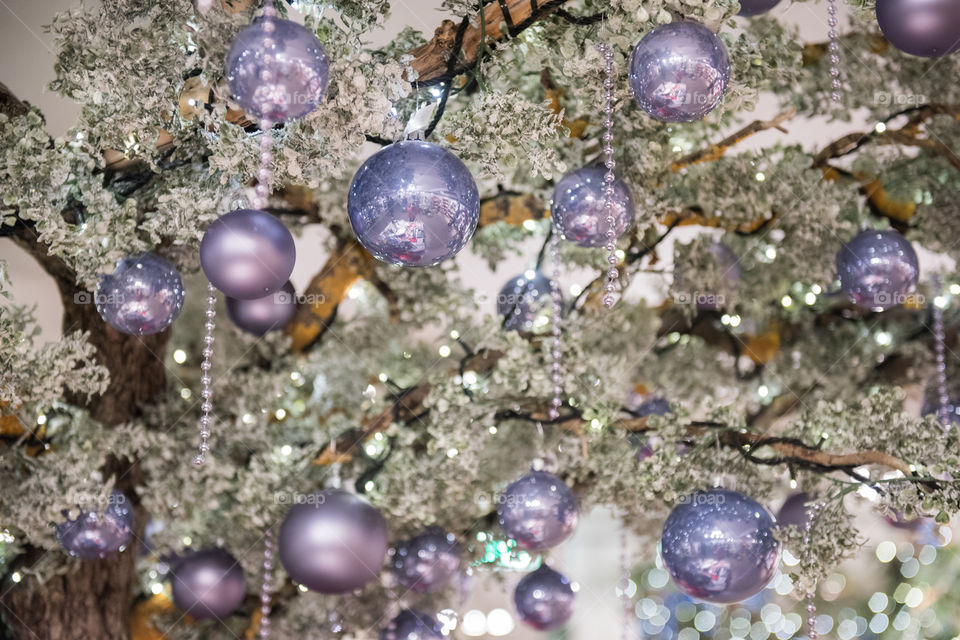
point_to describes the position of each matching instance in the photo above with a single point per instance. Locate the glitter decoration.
(144, 295)
(544, 599)
(97, 533)
(539, 511)
(679, 72)
(878, 269)
(525, 302)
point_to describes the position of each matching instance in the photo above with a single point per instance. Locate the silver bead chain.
(267, 588)
(557, 319)
(261, 193)
(836, 93)
(206, 392)
(812, 594)
(610, 177)
(939, 338)
(628, 616)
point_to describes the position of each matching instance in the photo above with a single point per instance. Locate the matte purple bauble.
(333, 542)
(579, 206)
(679, 72)
(411, 624)
(544, 599)
(208, 584)
(756, 7)
(878, 269)
(525, 302)
(427, 562)
(927, 28)
(277, 69)
(247, 254)
(719, 546)
(795, 511)
(96, 534)
(144, 295)
(413, 204)
(260, 315)
(539, 511)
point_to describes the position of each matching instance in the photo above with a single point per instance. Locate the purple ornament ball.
(208, 584)
(247, 254)
(878, 269)
(679, 72)
(719, 546)
(427, 562)
(544, 599)
(795, 511)
(277, 70)
(539, 511)
(927, 28)
(260, 315)
(144, 295)
(333, 542)
(579, 206)
(756, 7)
(96, 534)
(413, 204)
(525, 302)
(411, 624)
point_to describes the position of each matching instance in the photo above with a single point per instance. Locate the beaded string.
(206, 392)
(834, 49)
(811, 595)
(610, 177)
(939, 337)
(628, 616)
(556, 347)
(267, 588)
(259, 201)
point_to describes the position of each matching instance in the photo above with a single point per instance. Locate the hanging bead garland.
(206, 392)
(939, 337)
(556, 348)
(811, 595)
(267, 587)
(609, 191)
(836, 93)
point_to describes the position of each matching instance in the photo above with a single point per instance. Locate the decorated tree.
(163, 445)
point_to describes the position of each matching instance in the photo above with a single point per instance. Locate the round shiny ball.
(544, 599)
(756, 7)
(539, 511)
(679, 72)
(98, 533)
(427, 562)
(144, 295)
(411, 624)
(927, 28)
(333, 542)
(247, 254)
(579, 207)
(269, 313)
(208, 584)
(526, 302)
(277, 70)
(878, 269)
(413, 204)
(795, 511)
(719, 546)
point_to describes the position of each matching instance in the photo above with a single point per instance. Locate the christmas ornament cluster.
(416, 204)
